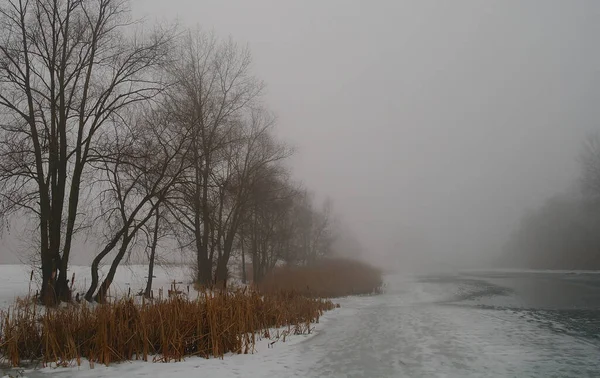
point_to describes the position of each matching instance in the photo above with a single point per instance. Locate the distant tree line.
(141, 135)
(564, 233)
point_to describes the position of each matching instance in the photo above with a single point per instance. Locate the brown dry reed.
(159, 330)
(327, 278)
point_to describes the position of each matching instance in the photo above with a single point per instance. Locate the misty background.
(433, 126)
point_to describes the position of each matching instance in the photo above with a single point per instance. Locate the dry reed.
(159, 330)
(327, 278)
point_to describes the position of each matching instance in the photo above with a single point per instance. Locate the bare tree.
(67, 68)
(161, 229)
(269, 225)
(213, 87)
(314, 229)
(142, 164)
(322, 232)
(245, 165)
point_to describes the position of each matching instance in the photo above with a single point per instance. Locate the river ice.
(467, 325)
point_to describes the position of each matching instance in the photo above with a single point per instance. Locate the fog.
(433, 126)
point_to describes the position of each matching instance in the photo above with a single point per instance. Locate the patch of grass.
(165, 330)
(328, 278)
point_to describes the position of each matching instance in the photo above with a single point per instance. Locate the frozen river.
(469, 325)
(527, 324)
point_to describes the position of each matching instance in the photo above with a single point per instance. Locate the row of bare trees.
(564, 232)
(142, 135)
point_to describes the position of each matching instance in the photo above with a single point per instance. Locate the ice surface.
(418, 328)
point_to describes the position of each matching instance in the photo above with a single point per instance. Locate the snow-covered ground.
(14, 280)
(271, 356)
(440, 326)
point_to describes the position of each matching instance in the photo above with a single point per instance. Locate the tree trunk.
(48, 259)
(64, 291)
(147, 292)
(89, 295)
(127, 234)
(205, 271)
(56, 218)
(256, 273)
(103, 291)
(244, 278)
(201, 230)
(48, 293)
(204, 267)
(221, 273)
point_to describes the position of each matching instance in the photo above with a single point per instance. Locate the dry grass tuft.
(161, 330)
(328, 278)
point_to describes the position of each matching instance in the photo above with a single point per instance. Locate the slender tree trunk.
(103, 290)
(205, 277)
(48, 259)
(244, 278)
(54, 175)
(201, 225)
(200, 260)
(147, 292)
(256, 274)
(58, 197)
(204, 265)
(213, 244)
(71, 216)
(222, 253)
(89, 296)
(264, 253)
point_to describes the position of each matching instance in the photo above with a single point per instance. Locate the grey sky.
(434, 121)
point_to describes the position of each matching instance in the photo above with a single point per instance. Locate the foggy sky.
(433, 125)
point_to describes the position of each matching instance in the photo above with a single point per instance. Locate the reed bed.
(327, 278)
(162, 330)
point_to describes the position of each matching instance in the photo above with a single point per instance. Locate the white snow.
(15, 280)
(271, 356)
(406, 332)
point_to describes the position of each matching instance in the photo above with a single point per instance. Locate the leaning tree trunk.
(103, 291)
(89, 295)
